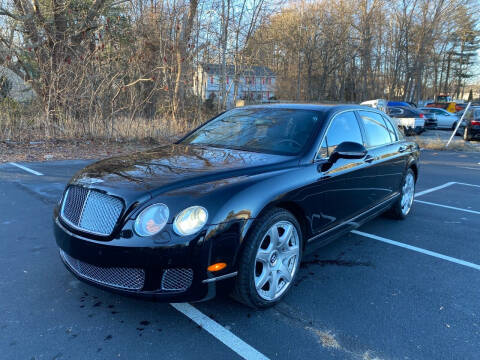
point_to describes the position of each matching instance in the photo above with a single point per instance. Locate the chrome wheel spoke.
(289, 253)
(264, 277)
(263, 256)
(274, 239)
(284, 273)
(273, 285)
(286, 236)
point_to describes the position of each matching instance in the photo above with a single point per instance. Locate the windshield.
(270, 130)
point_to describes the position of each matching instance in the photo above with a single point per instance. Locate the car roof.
(432, 107)
(327, 109)
(403, 107)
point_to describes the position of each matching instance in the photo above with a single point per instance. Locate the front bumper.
(172, 272)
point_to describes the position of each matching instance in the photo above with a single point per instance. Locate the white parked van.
(380, 104)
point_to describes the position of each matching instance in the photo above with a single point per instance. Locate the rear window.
(412, 112)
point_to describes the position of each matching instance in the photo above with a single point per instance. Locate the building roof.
(216, 69)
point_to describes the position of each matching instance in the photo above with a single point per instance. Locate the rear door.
(389, 155)
(448, 119)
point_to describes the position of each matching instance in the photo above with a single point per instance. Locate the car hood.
(170, 167)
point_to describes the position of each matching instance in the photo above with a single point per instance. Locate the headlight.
(190, 220)
(151, 220)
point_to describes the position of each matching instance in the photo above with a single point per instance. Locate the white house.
(254, 82)
(18, 89)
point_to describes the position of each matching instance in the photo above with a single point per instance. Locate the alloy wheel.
(408, 191)
(276, 260)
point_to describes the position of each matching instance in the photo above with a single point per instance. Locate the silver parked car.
(445, 119)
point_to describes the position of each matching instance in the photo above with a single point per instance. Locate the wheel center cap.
(273, 258)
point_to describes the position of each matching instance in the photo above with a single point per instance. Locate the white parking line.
(218, 331)
(417, 249)
(26, 169)
(470, 168)
(460, 183)
(448, 207)
(434, 189)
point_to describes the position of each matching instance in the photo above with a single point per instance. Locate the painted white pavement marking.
(434, 189)
(218, 331)
(26, 169)
(417, 249)
(448, 207)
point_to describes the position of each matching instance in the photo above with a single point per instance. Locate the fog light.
(217, 266)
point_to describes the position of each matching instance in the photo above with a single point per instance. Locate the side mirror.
(348, 150)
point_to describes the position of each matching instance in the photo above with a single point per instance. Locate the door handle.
(369, 158)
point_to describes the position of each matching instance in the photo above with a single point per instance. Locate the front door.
(342, 189)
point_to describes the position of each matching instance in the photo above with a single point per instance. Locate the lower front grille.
(177, 279)
(117, 277)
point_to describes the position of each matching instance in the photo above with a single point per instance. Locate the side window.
(344, 127)
(376, 129)
(476, 115)
(391, 129)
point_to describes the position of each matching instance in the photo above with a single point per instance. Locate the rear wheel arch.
(414, 168)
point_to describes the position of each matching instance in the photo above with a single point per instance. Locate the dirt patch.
(68, 149)
(325, 338)
(337, 262)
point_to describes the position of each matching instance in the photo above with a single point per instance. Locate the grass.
(439, 144)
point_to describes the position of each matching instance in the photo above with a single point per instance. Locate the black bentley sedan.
(239, 200)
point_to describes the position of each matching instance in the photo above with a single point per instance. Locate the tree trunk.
(181, 55)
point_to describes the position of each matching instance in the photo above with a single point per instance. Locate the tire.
(454, 125)
(466, 135)
(262, 262)
(401, 208)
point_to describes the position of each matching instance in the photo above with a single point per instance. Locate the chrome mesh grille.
(90, 210)
(177, 279)
(118, 277)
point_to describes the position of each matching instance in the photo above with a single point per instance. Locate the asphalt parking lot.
(391, 290)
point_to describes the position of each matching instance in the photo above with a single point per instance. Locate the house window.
(246, 81)
(228, 79)
(268, 95)
(211, 79)
(263, 81)
(253, 80)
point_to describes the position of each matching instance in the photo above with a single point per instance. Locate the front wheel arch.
(243, 291)
(292, 207)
